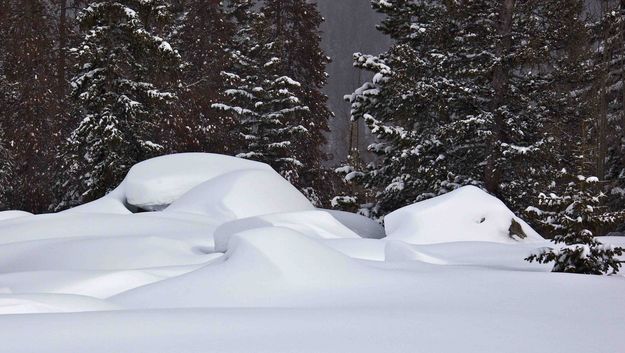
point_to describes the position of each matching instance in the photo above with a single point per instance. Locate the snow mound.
(361, 225)
(97, 225)
(264, 267)
(363, 249)
(112, 203)
(318, 224)
(156, 183)
(6, 215)
(466, 214)
(486, 254)
(101, 253)
(96, 284)
(241, 194)
(50, 303)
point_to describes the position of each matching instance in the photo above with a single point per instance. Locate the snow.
(240, 261)
(465, 214)
(158, 182)
(50, 303)
(241, 194)
(4, 215)
(318, 224)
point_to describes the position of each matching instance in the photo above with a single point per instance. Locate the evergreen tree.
(6, 168)
(122, 85)
(262, 98)
(409, 106)
(461, 98)
(572, 216)
(293, 28)
(29, 105)
(204, 34)
(606, 132)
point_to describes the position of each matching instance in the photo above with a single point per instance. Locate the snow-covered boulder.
(156, 183)
(242, 194)
(466, 214)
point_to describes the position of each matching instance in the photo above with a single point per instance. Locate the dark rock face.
(349, 28)
(516, 230)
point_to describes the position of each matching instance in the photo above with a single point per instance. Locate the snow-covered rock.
(241, 194)
(466, 214)
(156, 183)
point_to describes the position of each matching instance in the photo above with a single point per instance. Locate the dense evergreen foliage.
(121, 88)
(572, 216)
(500, 94)
(497, 94)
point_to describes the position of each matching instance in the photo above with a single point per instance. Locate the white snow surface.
(4, 215)
(241, 194)
(465, 214)
(241, 262)
(158, 182)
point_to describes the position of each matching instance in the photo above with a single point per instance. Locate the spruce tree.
(463, 97)
(293, 28)
(203, 35)
(572, 215)
(30, 106)
(423, 104)
(262, 99)
(606, 133)
(121, 89)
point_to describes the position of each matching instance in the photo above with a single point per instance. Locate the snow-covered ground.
(232, 258)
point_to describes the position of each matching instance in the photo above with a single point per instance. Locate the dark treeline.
(89, 88)
(524, 99)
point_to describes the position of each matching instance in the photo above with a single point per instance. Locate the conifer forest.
(524, 99)
(312, 176)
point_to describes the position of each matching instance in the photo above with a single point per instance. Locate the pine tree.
(461, 98)
(29, 106)
(406, 107)
(262, 99)
(122, 86)
(293, 28)
(6, 166)
(204, 34)
(572, 216)
(607, 130)
(6, 162)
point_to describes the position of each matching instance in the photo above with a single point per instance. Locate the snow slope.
(239, 261)
(465, 214)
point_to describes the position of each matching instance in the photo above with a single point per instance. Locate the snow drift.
(466, 214)
(232, 254)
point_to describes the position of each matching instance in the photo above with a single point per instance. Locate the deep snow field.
(208, 253)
